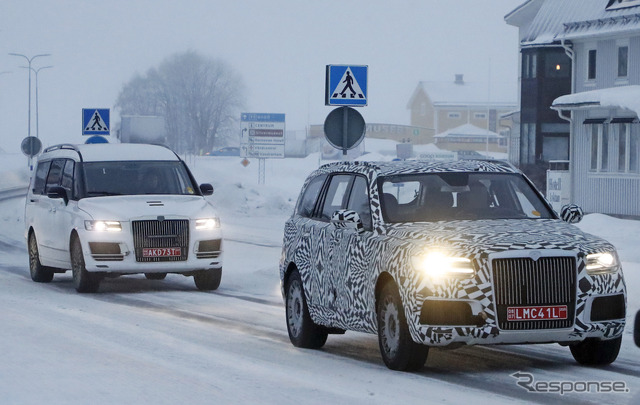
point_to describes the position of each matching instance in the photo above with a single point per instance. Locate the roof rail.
(62, 146)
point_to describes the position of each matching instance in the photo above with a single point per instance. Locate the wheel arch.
(74, 235)
(287, 273)
(383, 279)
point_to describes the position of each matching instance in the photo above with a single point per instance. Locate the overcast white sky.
(280, 47)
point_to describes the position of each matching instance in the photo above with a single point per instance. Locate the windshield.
(449, 196)
(136, 177)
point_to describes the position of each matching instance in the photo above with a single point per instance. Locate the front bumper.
(115, 252)
(474, 311)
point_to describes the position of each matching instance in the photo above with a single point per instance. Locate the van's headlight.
(103, 226)
(602, 263)
(438, 264)
(207, 224)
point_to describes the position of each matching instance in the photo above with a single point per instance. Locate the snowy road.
(164, 342)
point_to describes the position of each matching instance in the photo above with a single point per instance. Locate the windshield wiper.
(101, 193)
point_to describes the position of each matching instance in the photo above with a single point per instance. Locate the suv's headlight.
(102, 226)
(601, 263)
(438, 264)
(207, 223)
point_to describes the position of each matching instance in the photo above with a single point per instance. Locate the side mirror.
(347, 219)
(636, 330)
(571, 213)
(58, 192)
(206, 189)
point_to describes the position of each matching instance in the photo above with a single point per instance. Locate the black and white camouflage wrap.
(340, 267)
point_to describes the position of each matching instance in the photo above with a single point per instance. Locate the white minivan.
(106, 210)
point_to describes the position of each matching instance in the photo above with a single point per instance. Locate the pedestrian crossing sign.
(95, 121)
(346, 85)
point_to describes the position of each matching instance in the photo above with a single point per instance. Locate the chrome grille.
(169, 233)
(527, 282)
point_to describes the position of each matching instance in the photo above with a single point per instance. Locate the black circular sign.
(31, 146)
(344, 120)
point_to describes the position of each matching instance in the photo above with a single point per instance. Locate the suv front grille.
(154, 234)
(524, 282)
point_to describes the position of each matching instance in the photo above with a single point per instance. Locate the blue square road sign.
(346, 85)
(95, 121)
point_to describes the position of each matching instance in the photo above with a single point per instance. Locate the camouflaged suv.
(445, 254)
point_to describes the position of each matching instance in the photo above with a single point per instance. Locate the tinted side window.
(336, 197)
(359, 201)
(55, 173)
(40, 177)
(67, 176)
(310, 196)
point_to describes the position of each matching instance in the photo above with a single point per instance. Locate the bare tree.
(199, 98)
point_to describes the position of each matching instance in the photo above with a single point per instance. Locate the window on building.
(528, 143)
(454, 115)
(594, 147)
(599, 148)
(634, 151)
(529, 66)
(591, 66)
(480, 116)
(627, 144)
(623, 147)
(557, 65)
(623, 61)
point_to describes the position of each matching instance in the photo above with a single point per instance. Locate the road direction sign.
(346, 85)
(95, 121)
(262, 135)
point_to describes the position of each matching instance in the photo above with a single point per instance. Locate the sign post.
(262, 137)
(344, 129)
(31, 146)
(345, 85)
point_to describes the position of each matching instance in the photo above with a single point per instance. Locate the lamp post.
(36, 72)
(29, 63)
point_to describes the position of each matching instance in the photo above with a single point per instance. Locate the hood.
(124, 208)
(500, 235)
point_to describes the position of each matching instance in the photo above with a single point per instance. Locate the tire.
(39, 273)
(596, 352)
(398, 350)
(208, 280)
(303, 332)
(84, 281)
(155, 276)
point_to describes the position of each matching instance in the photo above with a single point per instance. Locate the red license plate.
(161, 252)
(541, 313)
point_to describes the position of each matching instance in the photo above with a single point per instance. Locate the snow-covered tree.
(200, 99)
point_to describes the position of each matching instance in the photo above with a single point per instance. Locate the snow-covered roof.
(498, 95)
(626, 97)
(103, 152)
(574, 19)
(468, 131)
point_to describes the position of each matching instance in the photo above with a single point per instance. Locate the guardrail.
(14, 192)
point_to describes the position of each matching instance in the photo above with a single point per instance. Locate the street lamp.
(36, 72)
(29, 62)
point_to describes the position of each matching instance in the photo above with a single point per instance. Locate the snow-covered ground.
(163, 342)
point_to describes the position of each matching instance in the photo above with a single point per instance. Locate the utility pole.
(29, 63)
(36, 72)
